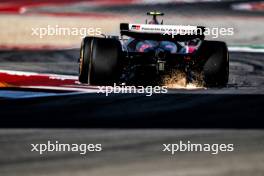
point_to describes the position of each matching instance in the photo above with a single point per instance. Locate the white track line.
(51, 76)
(246, 49)
(86, 90)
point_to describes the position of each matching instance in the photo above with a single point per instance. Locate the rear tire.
(85, 53)
(99, 61)
(216, 68)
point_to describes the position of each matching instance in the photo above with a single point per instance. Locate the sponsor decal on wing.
(161, 29)
(136, 27)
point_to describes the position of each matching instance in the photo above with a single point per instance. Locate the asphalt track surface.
(131, 153)
(239, 105)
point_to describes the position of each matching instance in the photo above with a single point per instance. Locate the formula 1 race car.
(151, 51)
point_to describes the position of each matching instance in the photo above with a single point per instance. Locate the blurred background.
(18, 17)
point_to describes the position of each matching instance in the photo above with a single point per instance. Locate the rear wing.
(162, 32)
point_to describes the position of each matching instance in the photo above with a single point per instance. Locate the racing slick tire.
(99, 61)
(216, 68)
(85, 52)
